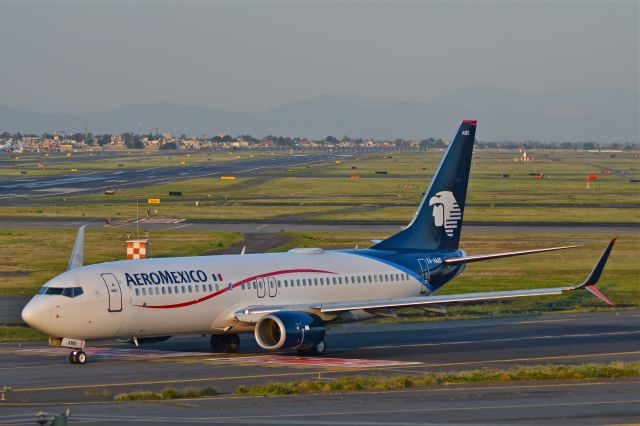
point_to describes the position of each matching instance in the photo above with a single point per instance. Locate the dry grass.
(396, 382)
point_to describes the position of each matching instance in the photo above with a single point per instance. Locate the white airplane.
(285, 299)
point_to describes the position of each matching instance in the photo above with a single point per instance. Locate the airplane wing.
(469, 259)
(252, 313)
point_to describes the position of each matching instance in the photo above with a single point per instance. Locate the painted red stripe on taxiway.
(234, 285)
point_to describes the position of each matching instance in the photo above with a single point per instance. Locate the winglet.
(591, 281)
(77, 254)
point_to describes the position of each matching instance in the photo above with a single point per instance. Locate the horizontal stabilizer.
(478, 258)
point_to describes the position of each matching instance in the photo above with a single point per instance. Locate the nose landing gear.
(77, 357)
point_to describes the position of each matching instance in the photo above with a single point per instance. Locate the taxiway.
(40, 378)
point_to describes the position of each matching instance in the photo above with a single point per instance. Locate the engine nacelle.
(289, 330)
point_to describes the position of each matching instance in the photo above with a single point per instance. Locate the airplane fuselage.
(203, 294)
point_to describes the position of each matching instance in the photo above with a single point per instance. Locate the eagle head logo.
(446, 211)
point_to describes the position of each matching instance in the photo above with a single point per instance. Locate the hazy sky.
(88, 56)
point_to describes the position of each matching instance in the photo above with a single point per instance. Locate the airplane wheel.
(316, 350)
(81, 357)
(217, 343)
(320, 348)
(232, 343)
(72, 357)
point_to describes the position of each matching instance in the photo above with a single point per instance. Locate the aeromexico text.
(167, 277)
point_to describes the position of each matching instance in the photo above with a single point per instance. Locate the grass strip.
(16, 333)
(166, 394)
(398, 382)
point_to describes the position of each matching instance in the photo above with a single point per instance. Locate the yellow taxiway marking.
(433, 389)
(542, 358)
(160, 382)
(306, 372)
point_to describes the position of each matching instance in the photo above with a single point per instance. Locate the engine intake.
(289, 330)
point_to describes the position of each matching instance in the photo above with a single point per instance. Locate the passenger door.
(273, 287)
(261, 287)
(114, 291)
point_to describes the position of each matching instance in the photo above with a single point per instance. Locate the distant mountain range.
(600, 115)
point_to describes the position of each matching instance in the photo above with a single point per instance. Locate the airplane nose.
(37, 313)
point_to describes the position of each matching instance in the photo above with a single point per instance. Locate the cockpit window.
(68, 291)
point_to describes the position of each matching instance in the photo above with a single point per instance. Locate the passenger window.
(217, 287)
(164, 291)
(189, 287)
(157, 291)
(169, 290)
(137, 292)
(144, 291)
(230, 286)
(315, 281)
(210, 287)
(321, 281)
(184, 290)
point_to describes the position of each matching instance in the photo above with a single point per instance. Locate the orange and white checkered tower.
(137, 249)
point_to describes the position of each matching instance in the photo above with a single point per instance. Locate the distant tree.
(588, 146)
(133, 142)
(169, 146)
(331, 139)
(248, 138)
(104, 140)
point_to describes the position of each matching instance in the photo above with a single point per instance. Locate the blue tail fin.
(437, 223)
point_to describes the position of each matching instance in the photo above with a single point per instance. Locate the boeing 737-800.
(285, 299)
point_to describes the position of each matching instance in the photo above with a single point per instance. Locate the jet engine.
(291, 330)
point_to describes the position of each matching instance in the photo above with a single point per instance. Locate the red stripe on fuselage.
(212, 295)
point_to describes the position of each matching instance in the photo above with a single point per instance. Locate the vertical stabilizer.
(437, 223)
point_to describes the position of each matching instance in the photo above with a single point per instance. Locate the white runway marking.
(60, 190)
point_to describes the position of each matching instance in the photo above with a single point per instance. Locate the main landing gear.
(77, 357)
(229, 343)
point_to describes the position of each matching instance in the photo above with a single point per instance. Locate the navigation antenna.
(86, 132)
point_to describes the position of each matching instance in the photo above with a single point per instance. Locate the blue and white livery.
(285, 299)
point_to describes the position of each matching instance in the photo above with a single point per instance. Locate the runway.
(29, 187)
(42, 379)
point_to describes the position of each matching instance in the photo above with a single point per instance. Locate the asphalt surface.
(41, 379)
(307, 225)
(30, 187)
